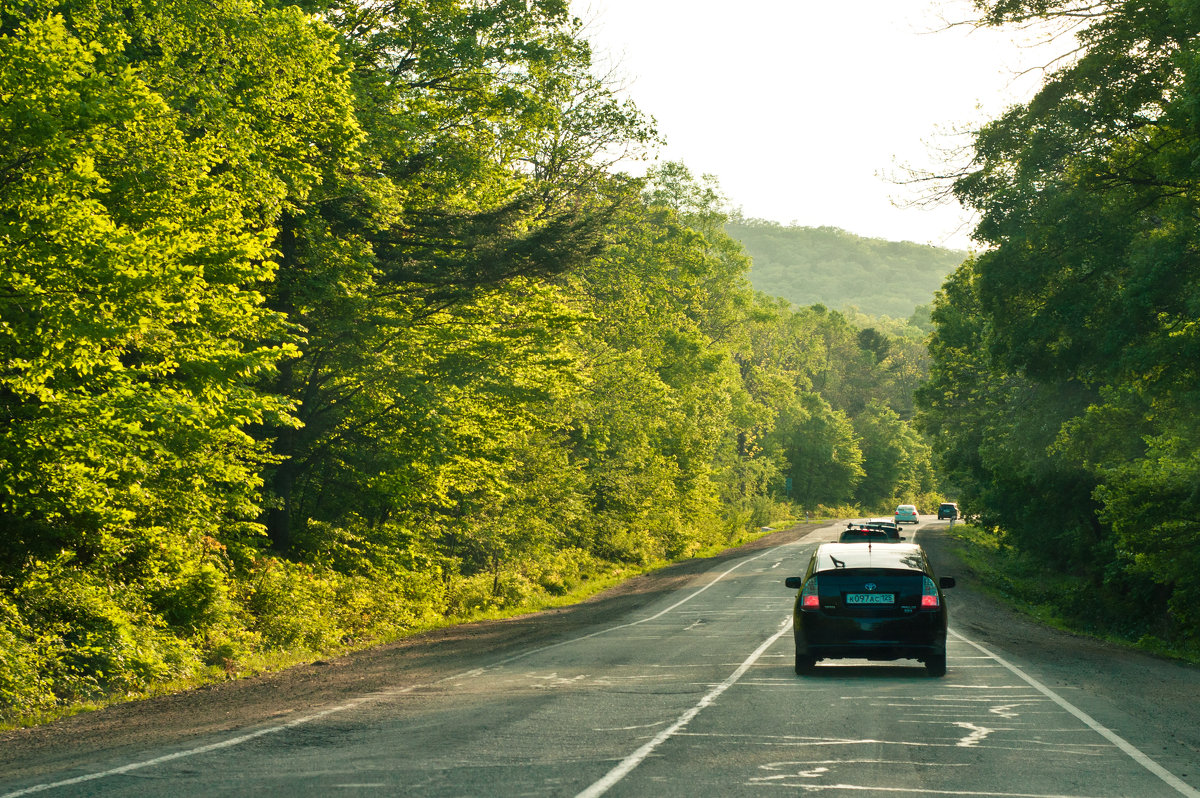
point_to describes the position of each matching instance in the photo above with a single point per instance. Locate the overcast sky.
(807, 111)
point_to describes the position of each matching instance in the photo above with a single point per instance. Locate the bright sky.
(807, 111)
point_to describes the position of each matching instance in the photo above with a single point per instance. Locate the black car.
(879, 531)
(870, 601)
(887, 525)
(947, 510)
(853, 534)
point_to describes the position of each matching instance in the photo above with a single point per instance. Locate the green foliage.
(26, 683)
(896, 460)
(810, 265)
(1123, 608)
(822, 452)
(1064, 383)
(324, 325)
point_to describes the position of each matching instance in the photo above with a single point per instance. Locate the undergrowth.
(1125, 614)
(292, 614)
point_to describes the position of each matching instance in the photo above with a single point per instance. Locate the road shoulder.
(1154, 701)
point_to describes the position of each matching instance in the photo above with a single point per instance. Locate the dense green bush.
(298, 356)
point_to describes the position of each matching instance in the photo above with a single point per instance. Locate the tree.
(1082, 308)
(148, 159)
(896, 461)
(822, 452)
(414, 275)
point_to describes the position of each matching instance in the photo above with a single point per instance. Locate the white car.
(907, 514)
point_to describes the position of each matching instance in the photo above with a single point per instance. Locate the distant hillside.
(807, 265)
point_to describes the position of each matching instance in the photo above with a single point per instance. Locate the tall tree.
(137, 223)
(481, 121)
(151, 150)
(1084, 303)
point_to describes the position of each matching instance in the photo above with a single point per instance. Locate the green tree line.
(825, 265)
(322, 323)
(1065, 387)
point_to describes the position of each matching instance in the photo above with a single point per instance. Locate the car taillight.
(809, 598)
(929, 594)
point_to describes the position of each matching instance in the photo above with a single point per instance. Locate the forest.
(323, 323)
(825, 265)
(1064, 393)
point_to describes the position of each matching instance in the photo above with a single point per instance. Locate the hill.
(826, 265)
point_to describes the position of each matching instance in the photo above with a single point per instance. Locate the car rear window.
(836, 557)
(856, 535)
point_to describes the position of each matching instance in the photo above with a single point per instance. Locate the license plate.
(870, 598)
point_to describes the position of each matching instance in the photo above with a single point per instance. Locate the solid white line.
(633, 760)
(1137, 756)
(199, 750)
(922, 791)
(235, 741)
(656, 616)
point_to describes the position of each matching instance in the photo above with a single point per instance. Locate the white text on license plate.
(870, 598)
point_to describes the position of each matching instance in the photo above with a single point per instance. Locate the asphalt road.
(685, 688)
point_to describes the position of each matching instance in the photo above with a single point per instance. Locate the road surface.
(678, 684)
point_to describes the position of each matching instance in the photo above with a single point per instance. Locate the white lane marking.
(784, 741)
(926, 791)
(633, 760)
(1132, 752)
(1006, 711)
(860, 761)
(235, 741)
(1099, 750)
(653, 617)
(977, 734)
(203, 749)
(632, 728)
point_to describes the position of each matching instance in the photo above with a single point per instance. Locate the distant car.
(947, 510)
(907, 514)
(870, 602)
(861, 534)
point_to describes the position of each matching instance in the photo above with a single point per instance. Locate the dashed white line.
(874, 789)
(656, 616)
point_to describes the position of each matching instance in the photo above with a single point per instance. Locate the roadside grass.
(1067, 602)
(603, 580)
(257, 663)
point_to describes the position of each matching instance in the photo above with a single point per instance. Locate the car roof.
(888, 520)
(907, 507)
(839, 556)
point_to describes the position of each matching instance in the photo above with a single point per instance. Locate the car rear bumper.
(915, 637)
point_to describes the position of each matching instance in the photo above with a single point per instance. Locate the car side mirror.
(946, 581)
(794, 582)
(903, 538)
